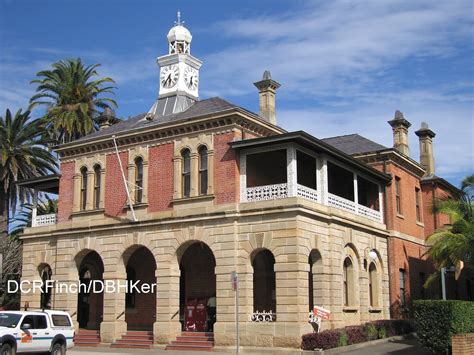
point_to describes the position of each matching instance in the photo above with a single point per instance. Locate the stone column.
(131, 181)
(76, 203)
(67, 276)
(90, 190)
(210, 172)
(102, 188)
(113, 325)
(177, 161)
(167, 325)
(145, 182)
(292, 302)
(356, 194)
(194, 174)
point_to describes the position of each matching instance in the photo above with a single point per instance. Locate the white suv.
(35, 331)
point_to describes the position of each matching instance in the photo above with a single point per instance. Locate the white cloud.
(335, 47)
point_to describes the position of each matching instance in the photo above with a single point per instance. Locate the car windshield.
(9, 320)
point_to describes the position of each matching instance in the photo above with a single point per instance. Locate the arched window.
(373, 286)
(97, 186)
(138, 180)
(46, 273)
(83, 188)
(186, 173)
(315, 298)
(264, 290)
(348, 279)
(203, 172)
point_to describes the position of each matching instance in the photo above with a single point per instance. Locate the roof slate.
(199, 108)
(353, 144)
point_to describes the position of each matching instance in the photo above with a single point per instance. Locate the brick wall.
(408, 256)
(430, 193)
(160, 177)
(463, 344)
(115, 193)
(66, 191)
(226, 169)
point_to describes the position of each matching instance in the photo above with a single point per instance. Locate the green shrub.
(382, 333)
(343, 339)
(372, 333)
(436, 321)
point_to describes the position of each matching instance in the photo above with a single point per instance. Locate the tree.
(23, 155)
(71, 98)
(455, 244)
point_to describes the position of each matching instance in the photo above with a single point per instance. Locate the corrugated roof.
(353, 144)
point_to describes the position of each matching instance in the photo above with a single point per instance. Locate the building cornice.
(227, 119)
(393, 155)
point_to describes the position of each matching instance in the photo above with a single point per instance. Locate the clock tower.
(179, 73)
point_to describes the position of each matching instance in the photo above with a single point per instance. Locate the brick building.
(191, 190)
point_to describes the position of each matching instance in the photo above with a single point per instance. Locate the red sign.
(321, 312)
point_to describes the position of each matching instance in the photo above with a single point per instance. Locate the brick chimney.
(425, 136)
(267, 88)
(400, 133)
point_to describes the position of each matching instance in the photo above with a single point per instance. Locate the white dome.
(179, 33)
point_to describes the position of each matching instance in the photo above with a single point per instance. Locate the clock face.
(169, 76)
(191, 78)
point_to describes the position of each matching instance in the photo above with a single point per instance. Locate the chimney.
(400, 133)
(266, 90)
(106, 119)
(425, 136)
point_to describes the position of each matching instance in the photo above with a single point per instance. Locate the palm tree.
(455, 244)
(23, 155)
(71, 98)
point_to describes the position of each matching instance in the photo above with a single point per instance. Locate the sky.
(344, 66)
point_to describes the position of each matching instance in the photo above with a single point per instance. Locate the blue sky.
(345, 66)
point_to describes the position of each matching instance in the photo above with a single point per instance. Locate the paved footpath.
(398, 347)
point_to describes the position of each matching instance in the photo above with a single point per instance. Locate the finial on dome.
(178, 21)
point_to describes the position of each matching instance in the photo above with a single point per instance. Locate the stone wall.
(290, 229)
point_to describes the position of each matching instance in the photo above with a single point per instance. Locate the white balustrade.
(370, 213)
(44, 220)
(263, 316)
(342, 203)
(307, 193)
(267, 192)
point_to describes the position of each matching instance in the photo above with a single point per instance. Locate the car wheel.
(7, 349)
(58, 349)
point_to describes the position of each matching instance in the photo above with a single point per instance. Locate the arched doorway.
(197, 285)
(140, 307)
(90, 304)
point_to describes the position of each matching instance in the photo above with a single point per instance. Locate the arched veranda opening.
(89, 304)
(197, 287)
(140, 307)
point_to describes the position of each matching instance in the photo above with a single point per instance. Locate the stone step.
(197, 334)
(187, 338)
(143, 337)
(134, 341)
(192, 342)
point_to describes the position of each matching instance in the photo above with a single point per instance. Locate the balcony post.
(34, 209)
(243, 177)
(291, 171)
(356, 194)
(323, 181)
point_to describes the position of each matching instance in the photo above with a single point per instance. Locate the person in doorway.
(211, 311)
